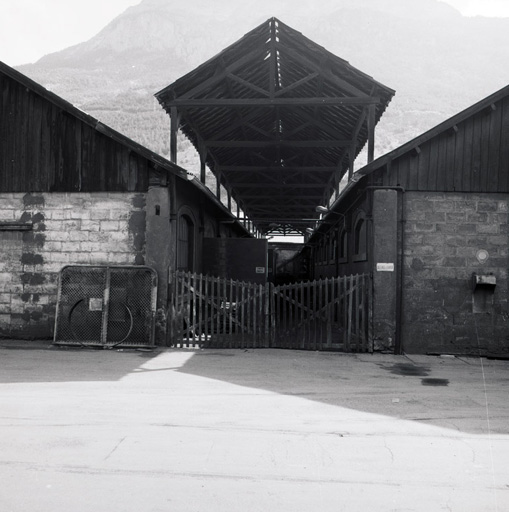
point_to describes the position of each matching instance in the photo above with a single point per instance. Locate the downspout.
(398, 344)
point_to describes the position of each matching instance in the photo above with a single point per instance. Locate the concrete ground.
(269, 430)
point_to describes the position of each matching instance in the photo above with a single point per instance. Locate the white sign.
(260, 270)
(95, 304)
(385, 267)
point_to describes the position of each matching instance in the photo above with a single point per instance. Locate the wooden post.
(371, 132)
(203, 158)
(174, 126)
(218, 186)
(351, 161)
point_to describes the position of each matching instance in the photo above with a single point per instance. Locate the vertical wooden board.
(99, 170)
(243, 315)
(404, 170)
(450, 151)
(302, 321)
(391, 176)
(131, 170)
(23, 145)
(459, 144)
(46, 167)
(320, 314)
(467, 174)
(79, 153)
(503, 170)
(351, 285)
(434, 155)
(282, 318)
(32, 144)
(442, 142)
(207, 297)
(411, 180)
(357, 306)
(327, 315)
(485, 121)
(494, 148)
(423, 167)
(256, 314)
(476, 153)
(4, 133)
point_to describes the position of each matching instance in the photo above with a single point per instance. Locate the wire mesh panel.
(106, 306)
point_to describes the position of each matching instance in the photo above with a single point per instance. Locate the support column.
(158, 251)
(385, 268)
(174, 126)
(351, 160)
(371, 132)
(203, 158)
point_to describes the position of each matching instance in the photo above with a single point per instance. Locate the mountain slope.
(438, 61)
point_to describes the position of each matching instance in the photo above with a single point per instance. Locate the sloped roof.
(68, 107)
(276, 115)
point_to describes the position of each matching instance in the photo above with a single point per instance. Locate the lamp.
(326, 211)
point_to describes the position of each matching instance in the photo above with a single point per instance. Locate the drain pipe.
(398, 345)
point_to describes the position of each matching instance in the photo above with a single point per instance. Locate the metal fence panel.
(106, 306)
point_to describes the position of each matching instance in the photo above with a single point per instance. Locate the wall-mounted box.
(485, 281)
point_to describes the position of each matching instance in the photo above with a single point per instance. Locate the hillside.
(438, 61)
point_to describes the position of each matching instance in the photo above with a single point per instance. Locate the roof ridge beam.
(320, 143)
(323, 101)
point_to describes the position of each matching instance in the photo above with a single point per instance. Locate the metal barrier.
(106, 306)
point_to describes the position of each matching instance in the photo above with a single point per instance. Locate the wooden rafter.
(246, 109)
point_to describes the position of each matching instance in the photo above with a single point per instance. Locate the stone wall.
(67, 229)
(445, 236)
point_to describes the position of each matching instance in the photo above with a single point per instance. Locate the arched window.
(360, 237)
(185, 244)
(343, 246)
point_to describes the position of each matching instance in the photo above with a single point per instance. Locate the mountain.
(438, 61)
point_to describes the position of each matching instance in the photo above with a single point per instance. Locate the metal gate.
(328, 314)
(106, 306)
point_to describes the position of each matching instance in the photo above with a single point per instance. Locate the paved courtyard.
(267, 430)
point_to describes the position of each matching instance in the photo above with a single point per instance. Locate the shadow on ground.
(450, 393)
(458, 394)
(43, 362)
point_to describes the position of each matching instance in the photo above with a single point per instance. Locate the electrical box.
(484, 281)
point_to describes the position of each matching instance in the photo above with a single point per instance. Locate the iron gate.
(106, 306)
(328, 314)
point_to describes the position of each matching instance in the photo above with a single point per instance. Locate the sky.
(30, 29)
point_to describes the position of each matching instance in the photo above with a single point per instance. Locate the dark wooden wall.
(45, 147)
(471, 156)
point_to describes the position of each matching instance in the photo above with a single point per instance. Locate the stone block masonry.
(448, 238)
(67, 229)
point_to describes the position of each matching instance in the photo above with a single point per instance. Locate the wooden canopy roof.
(279, 120)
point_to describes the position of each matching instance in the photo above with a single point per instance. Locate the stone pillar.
(159, 251)
(385, 268)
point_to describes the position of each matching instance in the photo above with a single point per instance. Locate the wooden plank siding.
(46, 148)
(471, 155)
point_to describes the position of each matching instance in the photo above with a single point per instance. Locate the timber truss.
(279, 120)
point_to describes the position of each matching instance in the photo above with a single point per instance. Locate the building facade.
(429, 221)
